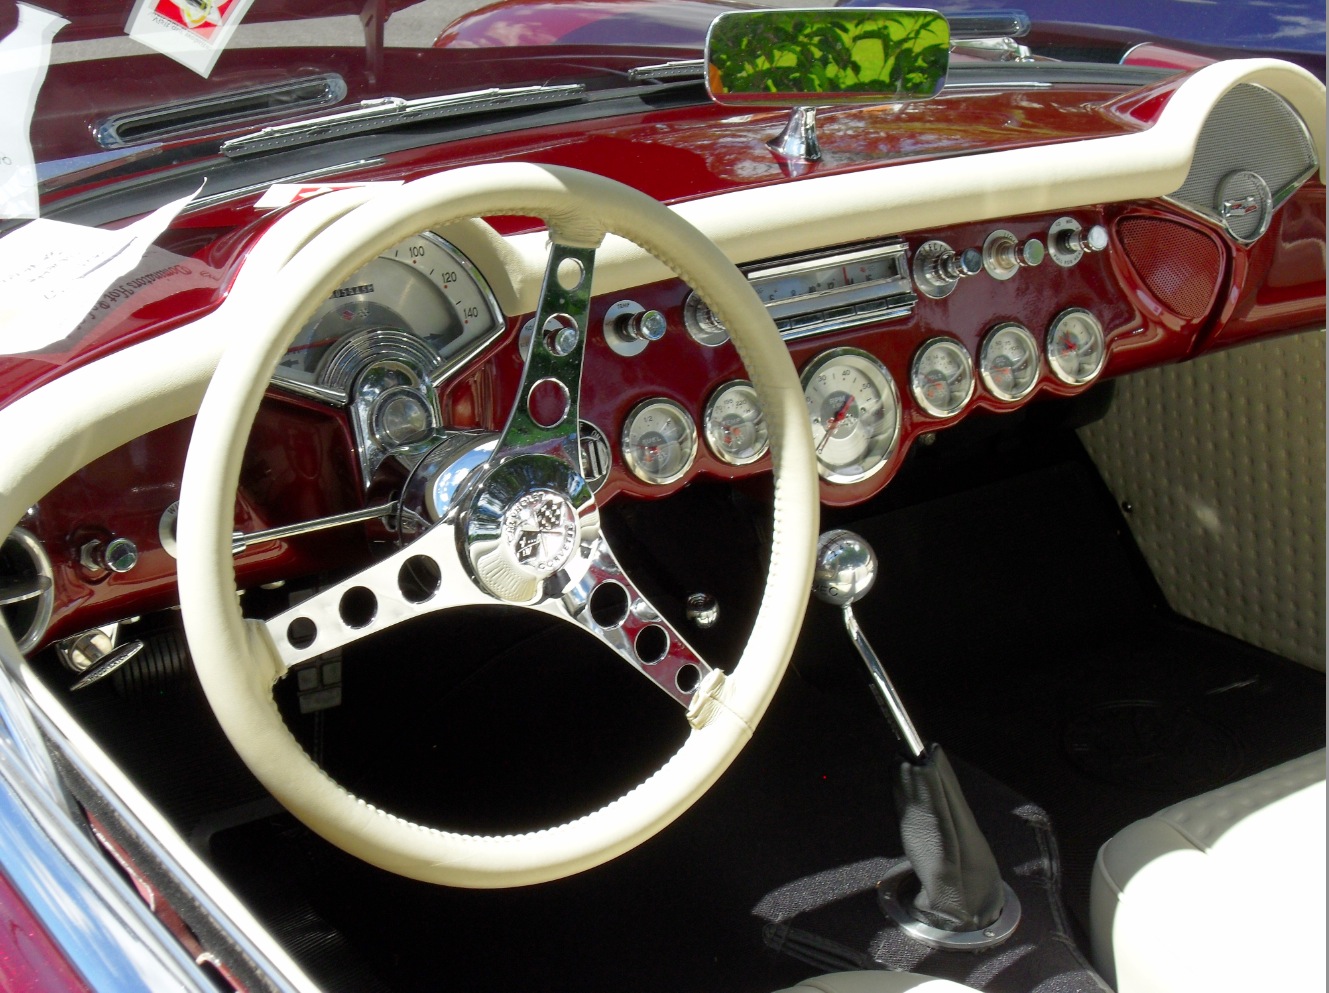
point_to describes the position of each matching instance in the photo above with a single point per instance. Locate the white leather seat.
(1222, 892)
(872, 981)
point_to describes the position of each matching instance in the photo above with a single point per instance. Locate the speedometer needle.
(835, 421)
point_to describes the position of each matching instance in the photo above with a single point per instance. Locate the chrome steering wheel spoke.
(544, 414)
(605, 602)
(421, 578)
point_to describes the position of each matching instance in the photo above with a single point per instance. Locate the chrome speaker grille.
(1254, 130)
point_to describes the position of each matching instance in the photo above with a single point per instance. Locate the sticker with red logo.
(285, 194)
(193, 32)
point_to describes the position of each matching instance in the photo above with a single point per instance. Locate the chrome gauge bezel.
(986, 356)
(639, 469)
(1055, 351)
(333, 379)
(917, 389)
(881, 447)
(713, 425)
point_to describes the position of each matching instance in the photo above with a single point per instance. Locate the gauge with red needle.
(854, 409)
(734, 424)
(1076, 347)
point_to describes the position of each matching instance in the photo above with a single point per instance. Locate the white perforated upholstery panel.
(1222, 461)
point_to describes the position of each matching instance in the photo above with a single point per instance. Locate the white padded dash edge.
(1222, 892)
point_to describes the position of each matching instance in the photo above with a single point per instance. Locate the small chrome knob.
(1074, 241)
(703, 610)
(846, 568)
(957, 265)
(118, 555)
(646, 325)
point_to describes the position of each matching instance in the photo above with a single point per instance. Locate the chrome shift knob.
(846, 568)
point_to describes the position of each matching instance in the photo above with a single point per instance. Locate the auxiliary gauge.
(942, 377)
(659, 441)
(734, 424)
(1076, 348)
(855, 412)
(1008, 362)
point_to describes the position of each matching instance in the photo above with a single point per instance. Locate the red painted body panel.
(29, 960)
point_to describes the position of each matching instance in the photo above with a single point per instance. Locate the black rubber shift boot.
(961, 885)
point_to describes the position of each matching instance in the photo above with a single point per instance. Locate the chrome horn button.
(541, 531)
(524, 522)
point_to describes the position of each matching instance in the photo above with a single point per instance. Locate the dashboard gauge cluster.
(420, 302)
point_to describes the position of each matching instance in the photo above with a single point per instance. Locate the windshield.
(159, 86)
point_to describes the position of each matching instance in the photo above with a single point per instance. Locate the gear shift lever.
(960, 900)
(846, 569)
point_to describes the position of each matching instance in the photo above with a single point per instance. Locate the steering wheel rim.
(237, 660)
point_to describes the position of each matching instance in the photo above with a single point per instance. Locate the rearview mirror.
(789, 58)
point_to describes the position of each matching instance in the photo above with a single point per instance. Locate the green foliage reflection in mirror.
(826, 56)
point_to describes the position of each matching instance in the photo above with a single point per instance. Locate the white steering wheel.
(525, 530)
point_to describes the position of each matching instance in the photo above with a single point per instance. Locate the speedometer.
(423, 287)
(855, 413)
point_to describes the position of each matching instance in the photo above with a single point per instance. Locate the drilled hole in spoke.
(570, 273)
(548, 403)
(651, 644)
(609, 605)
(301, 633)
(419, 578)
(688, 678)
(358, 606)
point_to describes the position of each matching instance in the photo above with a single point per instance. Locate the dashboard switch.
(1004, 256)
(117, 555)
(938, 268)
(629, 327)
(1068, 241)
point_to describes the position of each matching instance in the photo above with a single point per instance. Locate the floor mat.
(831, 920)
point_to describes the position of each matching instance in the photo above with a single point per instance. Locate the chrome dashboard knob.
(938, 268)
(1004, 256)
(845, 568)
(117, 555)
(648, 325)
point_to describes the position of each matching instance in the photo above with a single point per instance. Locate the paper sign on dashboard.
(53, 274)
(24, 55)
(193, 32)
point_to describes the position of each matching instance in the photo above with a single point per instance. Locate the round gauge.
(659, 441)
(421, 286)
(855, 412)
(1009, 361)
(734, 424)
(1076, 348)
(942, 377)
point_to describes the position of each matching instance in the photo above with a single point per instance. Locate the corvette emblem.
(541, 530)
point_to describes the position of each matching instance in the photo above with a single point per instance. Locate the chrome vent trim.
(27, 583)
(252, 103)
(1251, 129)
